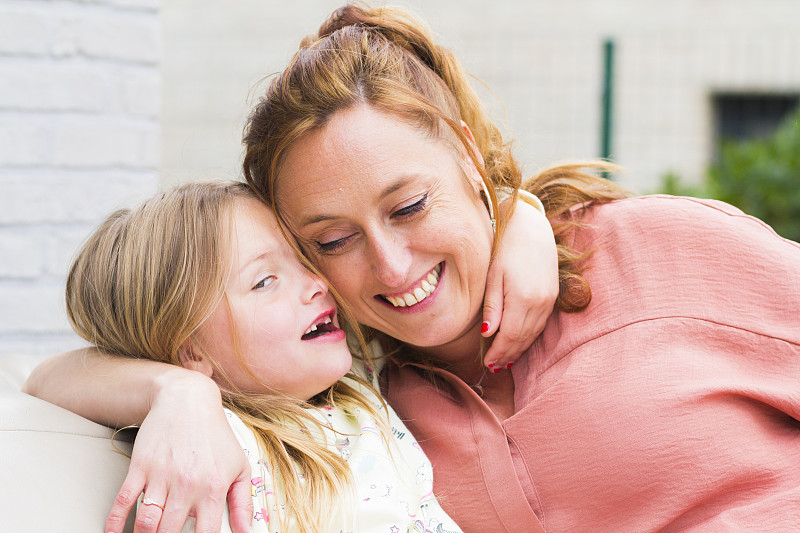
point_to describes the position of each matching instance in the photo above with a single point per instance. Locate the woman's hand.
(521, 286)
(186, 456)
(186, 459)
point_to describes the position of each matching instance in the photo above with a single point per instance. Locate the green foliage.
(760, 177)
(671, 184)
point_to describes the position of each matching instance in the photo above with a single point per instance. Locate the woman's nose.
(390, 259)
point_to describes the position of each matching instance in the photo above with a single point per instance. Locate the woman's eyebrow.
(393, 187)
(389, 189)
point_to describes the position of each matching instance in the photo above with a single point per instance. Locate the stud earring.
(488, 199)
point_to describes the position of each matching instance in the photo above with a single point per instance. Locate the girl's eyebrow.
(248, 263)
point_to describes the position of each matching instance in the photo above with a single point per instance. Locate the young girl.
(202, 277)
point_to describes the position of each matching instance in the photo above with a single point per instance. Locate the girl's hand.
(186, 459)
(521, 285)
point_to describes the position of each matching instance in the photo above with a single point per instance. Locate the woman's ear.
(476, 153)
(192, 359)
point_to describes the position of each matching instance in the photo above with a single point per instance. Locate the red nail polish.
(496, 370)
(484, 327)
(509, 365)
(490, 365)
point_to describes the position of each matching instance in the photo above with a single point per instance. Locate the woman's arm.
(109, 390)
(185, 457)
(521, 286)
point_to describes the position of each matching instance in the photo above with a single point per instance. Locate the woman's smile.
(419, 292)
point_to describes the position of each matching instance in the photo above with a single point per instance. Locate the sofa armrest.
(59, 471)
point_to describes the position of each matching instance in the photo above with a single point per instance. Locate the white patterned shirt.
(394, 490)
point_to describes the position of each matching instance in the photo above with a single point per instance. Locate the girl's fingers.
(492, 302)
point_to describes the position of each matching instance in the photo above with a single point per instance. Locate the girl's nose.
(313, 286)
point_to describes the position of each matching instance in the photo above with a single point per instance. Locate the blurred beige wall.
(104, 101)
(542, 59)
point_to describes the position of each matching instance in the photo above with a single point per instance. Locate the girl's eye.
(269, 280)
(412, 209)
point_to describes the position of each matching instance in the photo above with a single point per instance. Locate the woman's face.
(283, 316)
(395, 221)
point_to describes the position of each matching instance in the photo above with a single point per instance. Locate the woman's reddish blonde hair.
(386, 58)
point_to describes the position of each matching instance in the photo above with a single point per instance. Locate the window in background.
(740, 117)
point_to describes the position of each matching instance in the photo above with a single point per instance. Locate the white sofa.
(59, 472)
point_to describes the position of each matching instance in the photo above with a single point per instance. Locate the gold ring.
(148, 501)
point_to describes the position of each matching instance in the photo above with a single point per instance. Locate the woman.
(661, 394)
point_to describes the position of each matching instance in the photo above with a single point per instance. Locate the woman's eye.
(269, 280)
(332, 246)
(412, 209)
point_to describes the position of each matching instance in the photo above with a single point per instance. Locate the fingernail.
(496, 370)
(484, 327)
(509, 365)
(490, 365)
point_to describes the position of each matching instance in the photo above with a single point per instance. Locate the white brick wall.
(79, 137)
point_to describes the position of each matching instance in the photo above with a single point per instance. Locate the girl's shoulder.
(243, 433)
(368, 371)
(266, 507)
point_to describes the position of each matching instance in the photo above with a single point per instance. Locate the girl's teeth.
(419, 294)
(427, 287)
(409, 299)
(326, 320)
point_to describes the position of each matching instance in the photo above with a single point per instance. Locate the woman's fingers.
(240, 504)
(124, 502)
(185, 458)
(174, 513)
(209, 515)
(150, 512)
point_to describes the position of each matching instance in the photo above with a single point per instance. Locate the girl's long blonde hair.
(143, 284)
(386, 58)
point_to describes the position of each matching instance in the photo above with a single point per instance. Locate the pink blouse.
(670, 404)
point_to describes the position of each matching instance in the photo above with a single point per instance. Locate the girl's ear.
(193, 360)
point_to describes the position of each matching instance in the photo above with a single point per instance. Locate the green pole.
(606, 132)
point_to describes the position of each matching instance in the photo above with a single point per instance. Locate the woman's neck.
(461, 356)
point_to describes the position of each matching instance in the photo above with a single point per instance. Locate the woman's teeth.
(419, 293)
(327, 320)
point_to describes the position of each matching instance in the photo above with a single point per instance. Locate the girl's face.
(389, 216)
(282, 316)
